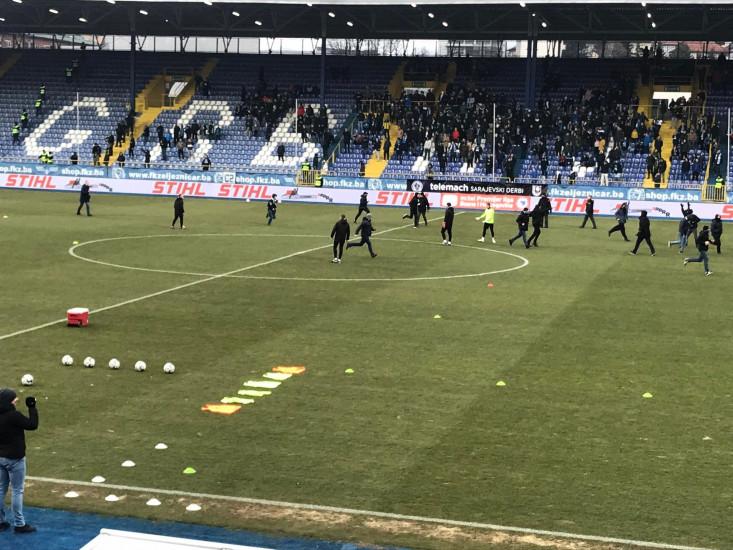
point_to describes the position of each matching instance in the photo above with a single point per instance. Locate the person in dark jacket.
(703, 242)
(692, 221)
(413, 209)
(178, 212)
(365, 230)
(682, 234)
(622, 216)
(271, 209)
(205, 163)
(644, 234)
(340, 234)
(716, 230)
(85, 198)
(546, 207)
(522, 224)
(281, 152)
(447, 228)
(589, 213)
(13, 425)
(538, 216)
(422, 209)
(363, 201)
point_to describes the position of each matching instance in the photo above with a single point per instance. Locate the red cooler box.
(77, 316)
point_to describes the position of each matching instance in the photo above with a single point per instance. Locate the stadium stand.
(587, 126)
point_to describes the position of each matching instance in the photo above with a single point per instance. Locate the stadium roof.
(370, 19)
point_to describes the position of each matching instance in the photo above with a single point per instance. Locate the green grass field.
(420, 428)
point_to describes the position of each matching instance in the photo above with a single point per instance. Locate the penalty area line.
(370, 513)
(190, 284)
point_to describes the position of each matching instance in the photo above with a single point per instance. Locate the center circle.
(239, 273)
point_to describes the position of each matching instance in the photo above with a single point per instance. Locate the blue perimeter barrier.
(60, 530)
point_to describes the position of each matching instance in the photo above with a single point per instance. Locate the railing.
(713, 193)
(339, 145)
(309, 177)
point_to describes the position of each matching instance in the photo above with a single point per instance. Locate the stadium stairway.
(397, 84)
(448, 77)
(644, 93)
(148, 114)
(666, 132)
(376, 164)
(146, 110)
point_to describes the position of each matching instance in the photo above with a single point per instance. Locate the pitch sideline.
(370, 513)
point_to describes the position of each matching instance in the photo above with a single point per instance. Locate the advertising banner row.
(335, 182)
(395, 198)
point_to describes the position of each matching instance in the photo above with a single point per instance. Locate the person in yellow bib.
(488, 218)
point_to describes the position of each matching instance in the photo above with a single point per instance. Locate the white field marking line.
(73, 253)
(186, 285)
(385, 515)
(525, 261)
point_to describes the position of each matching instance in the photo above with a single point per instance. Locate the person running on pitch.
(365, 230)
(422, 209)
(522, 224)
(178, 212)
(413, 209)
(682, 233)
(488, 218)
(622, 216)
(589, 213)
(447, 229)
(85, 198)
(692, 221)
(716, 230)
(546, 207)
(362, 206)
(340, 234)
(703, 242)
(271, 209)
(538, 216)
(644, 234)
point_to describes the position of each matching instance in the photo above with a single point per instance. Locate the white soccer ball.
(27, 380)
(247, 200)
(114, 364)
(140, 366)
(169, 368)
(67, 360)
(89, 362)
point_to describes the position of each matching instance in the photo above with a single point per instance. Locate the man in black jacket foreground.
(12, 456)
(178, 212)
(622, 216)
(522, 224)
(340, 234)
(716, 230)
(447, 228)
(537, 215)
(703, 242)
(589, 210)
(365, 230)
(644, 234)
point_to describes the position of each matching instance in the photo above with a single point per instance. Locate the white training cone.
(72, 494)
(153, 502)
(193, 508)
(98, 479)
(161, 447)
(128, 464)
(111, 498)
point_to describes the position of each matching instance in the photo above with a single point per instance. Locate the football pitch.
(576, 329)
